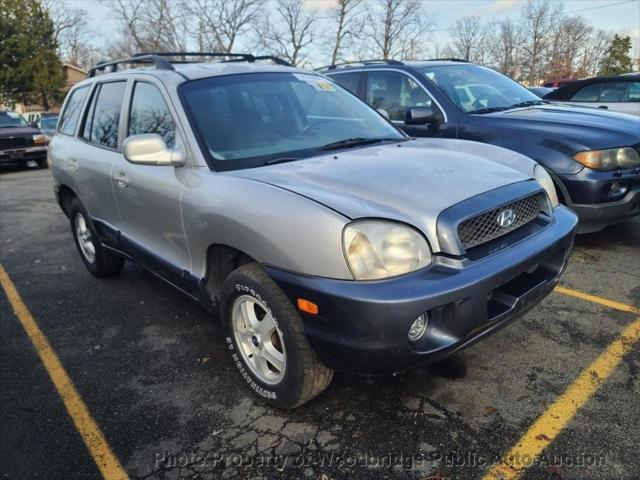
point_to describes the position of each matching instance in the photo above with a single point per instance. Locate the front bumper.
(589, 195)
(23, 155)
(361, 327)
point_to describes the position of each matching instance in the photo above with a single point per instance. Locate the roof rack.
(158, 59)
(276, 60)
(160, 63)
(445, 60)
(360, 62)
(231, 57)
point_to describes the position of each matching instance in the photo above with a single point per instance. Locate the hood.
(18, 131)
(591, 128)
(411, 182)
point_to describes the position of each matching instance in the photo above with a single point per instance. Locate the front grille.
(13, 142)
(486, 227)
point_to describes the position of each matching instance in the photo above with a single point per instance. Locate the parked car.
(540, 91)
(592, 155)
(47, 125)
(559, 82)
(620, 94)
(20, 143)
(325, 237)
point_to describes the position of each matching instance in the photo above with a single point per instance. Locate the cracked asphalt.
(152, 368)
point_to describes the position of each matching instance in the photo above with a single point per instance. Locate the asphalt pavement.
(152, 370)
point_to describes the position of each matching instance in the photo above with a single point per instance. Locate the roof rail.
(359, 62)
(445, 60)
(160, 63)
(232, 57)
(276, 60)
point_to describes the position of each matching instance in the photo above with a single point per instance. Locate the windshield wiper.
(274, 161)
(355, 142)
(528, 103)
(11, 126)
(489, 110)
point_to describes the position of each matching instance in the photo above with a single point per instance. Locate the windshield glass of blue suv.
(476, 89)
(271, 117)
(12, 119)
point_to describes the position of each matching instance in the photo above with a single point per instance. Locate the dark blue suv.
(592, 155)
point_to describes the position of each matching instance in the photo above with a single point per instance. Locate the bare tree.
(149, 25)
(592, 54)
(63, 17)
(537, 21)
(505, 44)
(396, 27)
(345, 15)
(567, 40)
(221, 22)
(468, 38)
(289, 32)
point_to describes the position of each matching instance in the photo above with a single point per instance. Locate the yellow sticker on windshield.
(319, 83)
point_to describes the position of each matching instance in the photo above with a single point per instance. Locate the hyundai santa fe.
(323, 237)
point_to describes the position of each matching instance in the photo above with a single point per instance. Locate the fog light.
(617, 189)
(418, 327)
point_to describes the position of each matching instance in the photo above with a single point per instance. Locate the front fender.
(272, 225)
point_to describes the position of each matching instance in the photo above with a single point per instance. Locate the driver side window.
(395, 92)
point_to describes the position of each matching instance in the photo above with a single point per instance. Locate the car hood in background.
(591, 127)
(411, 183)
(17, 131)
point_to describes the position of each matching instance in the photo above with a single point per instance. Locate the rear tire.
(263, 329)
(98, 260)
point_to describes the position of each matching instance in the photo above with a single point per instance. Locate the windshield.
(256, 119)
(48, 123)
(12, 119)
(476, 89)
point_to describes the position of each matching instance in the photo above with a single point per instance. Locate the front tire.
(266, 340)
(98, 260)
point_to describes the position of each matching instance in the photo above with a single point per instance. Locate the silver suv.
(325, 238)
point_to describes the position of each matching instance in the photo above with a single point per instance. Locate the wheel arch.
(66, 195)
(221, 260)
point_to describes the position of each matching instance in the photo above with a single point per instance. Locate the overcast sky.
(618, 16)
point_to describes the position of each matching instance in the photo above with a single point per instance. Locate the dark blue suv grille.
(486, 227)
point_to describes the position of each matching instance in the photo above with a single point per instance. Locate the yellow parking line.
(599, 300)
(93, 438)
(558, 415)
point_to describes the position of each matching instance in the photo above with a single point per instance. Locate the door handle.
(121, 179)
(603, 107)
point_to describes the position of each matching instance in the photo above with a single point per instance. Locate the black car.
(592, 155)
(19, 142)
(619, 94)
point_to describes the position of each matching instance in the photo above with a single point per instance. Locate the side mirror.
(150, 149)
(384, 113)
(421, 116)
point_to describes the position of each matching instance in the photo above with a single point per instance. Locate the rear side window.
(634, 92)
(72, 110)
(590, 93)
(614, 92)
(349, 81)
(101, 125)
(149, 114)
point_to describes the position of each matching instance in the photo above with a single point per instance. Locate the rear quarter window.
(71, 114)
(103, 120)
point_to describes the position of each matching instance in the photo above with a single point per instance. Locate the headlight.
(544, 179)
(608, 159)
(381, 249)
(39, 139)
